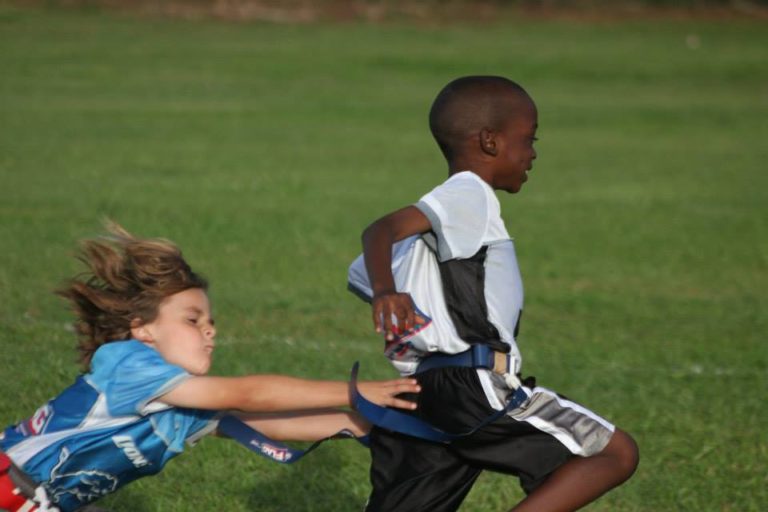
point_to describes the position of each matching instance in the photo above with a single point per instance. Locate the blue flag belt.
(255, 441)
(479, 356)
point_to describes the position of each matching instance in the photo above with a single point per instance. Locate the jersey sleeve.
(458, 213)
(179, 426)
(132, 376)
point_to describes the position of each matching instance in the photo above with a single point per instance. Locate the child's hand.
(385, 392)
(387, 305)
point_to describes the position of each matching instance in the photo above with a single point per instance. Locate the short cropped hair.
(126, 280)
(467, 105)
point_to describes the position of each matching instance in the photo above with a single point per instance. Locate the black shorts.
(410, 474)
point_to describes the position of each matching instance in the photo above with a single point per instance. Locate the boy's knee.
(626, 452)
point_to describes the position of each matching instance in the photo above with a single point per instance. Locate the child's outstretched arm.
(378, 239)
(273, 393)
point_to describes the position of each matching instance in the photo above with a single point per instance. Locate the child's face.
(183, 331)
(515, 150)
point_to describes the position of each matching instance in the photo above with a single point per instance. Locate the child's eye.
(192, 320)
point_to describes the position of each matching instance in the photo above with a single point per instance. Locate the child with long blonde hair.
(146, 339)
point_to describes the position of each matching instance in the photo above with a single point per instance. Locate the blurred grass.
(264, 150)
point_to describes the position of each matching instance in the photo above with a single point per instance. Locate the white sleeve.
(458, 212)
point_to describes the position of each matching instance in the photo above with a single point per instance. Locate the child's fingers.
(404, 313)
(386, 319)
(404, 386)
(393, 314)
(402, 404)
(386, 392)
(376, 312)
(382, 317)
(410, 318)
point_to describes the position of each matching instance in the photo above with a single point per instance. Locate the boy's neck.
(461, 165)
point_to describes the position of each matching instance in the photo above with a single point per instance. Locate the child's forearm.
(377, 248)
(279, 393)
(275, 393)
(390, 310)
(306, 425)
(378, 239)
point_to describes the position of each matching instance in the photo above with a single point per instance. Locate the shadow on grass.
(127, 500)
(309, 486)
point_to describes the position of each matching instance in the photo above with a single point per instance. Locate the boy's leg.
(412, 475)
(564, 454)
(581, 480)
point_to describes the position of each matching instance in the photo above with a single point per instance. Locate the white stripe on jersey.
(31, 446)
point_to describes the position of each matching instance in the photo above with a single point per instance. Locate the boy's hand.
(389, 304)
(385, 392)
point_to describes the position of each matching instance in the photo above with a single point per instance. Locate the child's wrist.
(384, 291)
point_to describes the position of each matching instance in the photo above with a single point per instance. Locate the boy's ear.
(488, 142)
(140, 332)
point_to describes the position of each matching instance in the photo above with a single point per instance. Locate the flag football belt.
(255, 441)
(479, 356)
(18, 493)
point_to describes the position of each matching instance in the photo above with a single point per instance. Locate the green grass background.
(264, 150)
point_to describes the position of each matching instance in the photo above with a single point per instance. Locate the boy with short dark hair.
(442, 278)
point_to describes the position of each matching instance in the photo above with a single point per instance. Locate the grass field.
(264, 150)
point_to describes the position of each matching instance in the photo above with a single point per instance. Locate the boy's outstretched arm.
(273, 393)
(378, 239)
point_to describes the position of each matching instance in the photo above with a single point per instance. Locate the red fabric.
(9, 500)
(5, 463)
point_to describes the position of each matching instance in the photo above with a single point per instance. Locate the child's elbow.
(368, 232)
(375, 230)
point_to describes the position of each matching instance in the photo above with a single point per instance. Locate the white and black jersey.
(478, 251)
(463, 276)
(464, 279)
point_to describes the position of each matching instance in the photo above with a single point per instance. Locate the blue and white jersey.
(106, 429)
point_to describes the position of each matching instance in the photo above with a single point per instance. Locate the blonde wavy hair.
(127, 279)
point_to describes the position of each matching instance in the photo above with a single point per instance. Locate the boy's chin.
(512, 186)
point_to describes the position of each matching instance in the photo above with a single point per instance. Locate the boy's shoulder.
(461, 190)
(462, 187)
(467, 178)
(464, 214)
